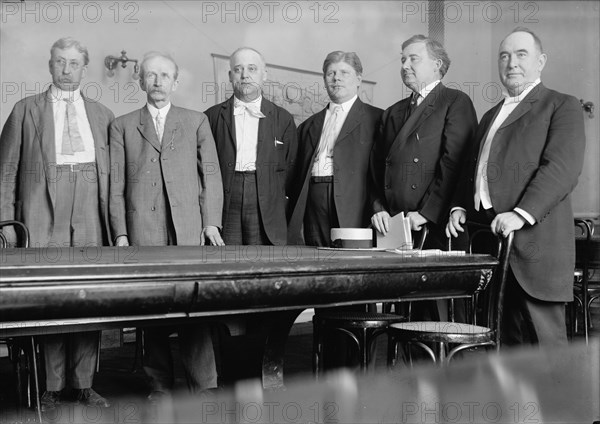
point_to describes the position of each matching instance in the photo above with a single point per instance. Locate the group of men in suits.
(242, 174)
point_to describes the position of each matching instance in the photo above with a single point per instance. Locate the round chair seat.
(445, 332)
(358, 319)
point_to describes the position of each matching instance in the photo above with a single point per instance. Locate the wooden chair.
(585, 292)
(362, 327)
(22, 351)
(462, 336)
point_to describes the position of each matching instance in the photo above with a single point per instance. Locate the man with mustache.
(256, 142)
(166, 190)
(54, 178)
(520, 173)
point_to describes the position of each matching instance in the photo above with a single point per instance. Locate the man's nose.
(66, 69)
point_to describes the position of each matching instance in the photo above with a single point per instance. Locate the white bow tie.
(253, 110)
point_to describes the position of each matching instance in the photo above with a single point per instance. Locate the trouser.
(530, 320)
(197, 357)
(77, 222)
(320, 216)
(242, 224)
(526, 319)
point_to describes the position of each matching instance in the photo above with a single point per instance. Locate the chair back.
(16, 224)
(492, 299)
(419, 241)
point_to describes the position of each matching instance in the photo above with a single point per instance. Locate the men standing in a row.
(333, 157)
(256, 143)
(166, 190)
(54, 160)
(524, 165)
(417, 159)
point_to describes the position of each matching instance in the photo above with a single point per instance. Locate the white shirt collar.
(347, 105)
(254, 103)
(509, 100)
(57, 93)
(428, 88)
(154, 111)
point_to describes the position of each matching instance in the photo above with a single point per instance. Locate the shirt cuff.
(525, 215)
(457, 208)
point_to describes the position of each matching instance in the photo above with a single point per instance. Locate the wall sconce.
(588, 107)
(111, 63)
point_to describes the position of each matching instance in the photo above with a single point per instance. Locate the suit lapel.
(227, 115)
(43, 119)
(316, 128)
(523, 107)
(147, 129)
(416, 119)
(354, 117)
(265, 131)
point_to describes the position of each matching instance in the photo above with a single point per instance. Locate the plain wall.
(299, 35)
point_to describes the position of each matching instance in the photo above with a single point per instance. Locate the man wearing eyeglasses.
(54, 178)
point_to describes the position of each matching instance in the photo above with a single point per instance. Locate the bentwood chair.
(22, 351)
(361, 327)
(585, 291)
(451, 337)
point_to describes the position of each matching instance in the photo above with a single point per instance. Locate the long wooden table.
(54, 290)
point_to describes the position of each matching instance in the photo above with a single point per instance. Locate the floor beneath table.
(118, 379)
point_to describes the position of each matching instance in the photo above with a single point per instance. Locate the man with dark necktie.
(54, 160)
(418, 156)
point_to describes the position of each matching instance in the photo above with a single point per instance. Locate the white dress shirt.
(163, 115)
(59, 109)
(246, 133)
(482, 190)
(425, 91)
(323, 165)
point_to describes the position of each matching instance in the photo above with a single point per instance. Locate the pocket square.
(278, 142)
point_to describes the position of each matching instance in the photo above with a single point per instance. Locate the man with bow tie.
(166, 190)
(417, 158)
(256, 142)
(333, 157)
(54, 178)
(524, 164)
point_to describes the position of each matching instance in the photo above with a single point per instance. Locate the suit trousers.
(77, 223)
(320, 215)
(526, 319)
(196, 352)
(530, 320)
(195, 341)
(242, 224)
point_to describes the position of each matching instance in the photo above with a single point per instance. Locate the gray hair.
(68, 42)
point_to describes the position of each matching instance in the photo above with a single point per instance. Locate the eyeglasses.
(61, 64)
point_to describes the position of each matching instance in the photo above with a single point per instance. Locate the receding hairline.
(152, 55)
(536, 40)
(242, 49)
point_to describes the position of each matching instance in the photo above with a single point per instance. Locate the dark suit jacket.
(416, 164)
(537, 156)
(28, 165)
(351, 165)
(275, 157)
(182, 173)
